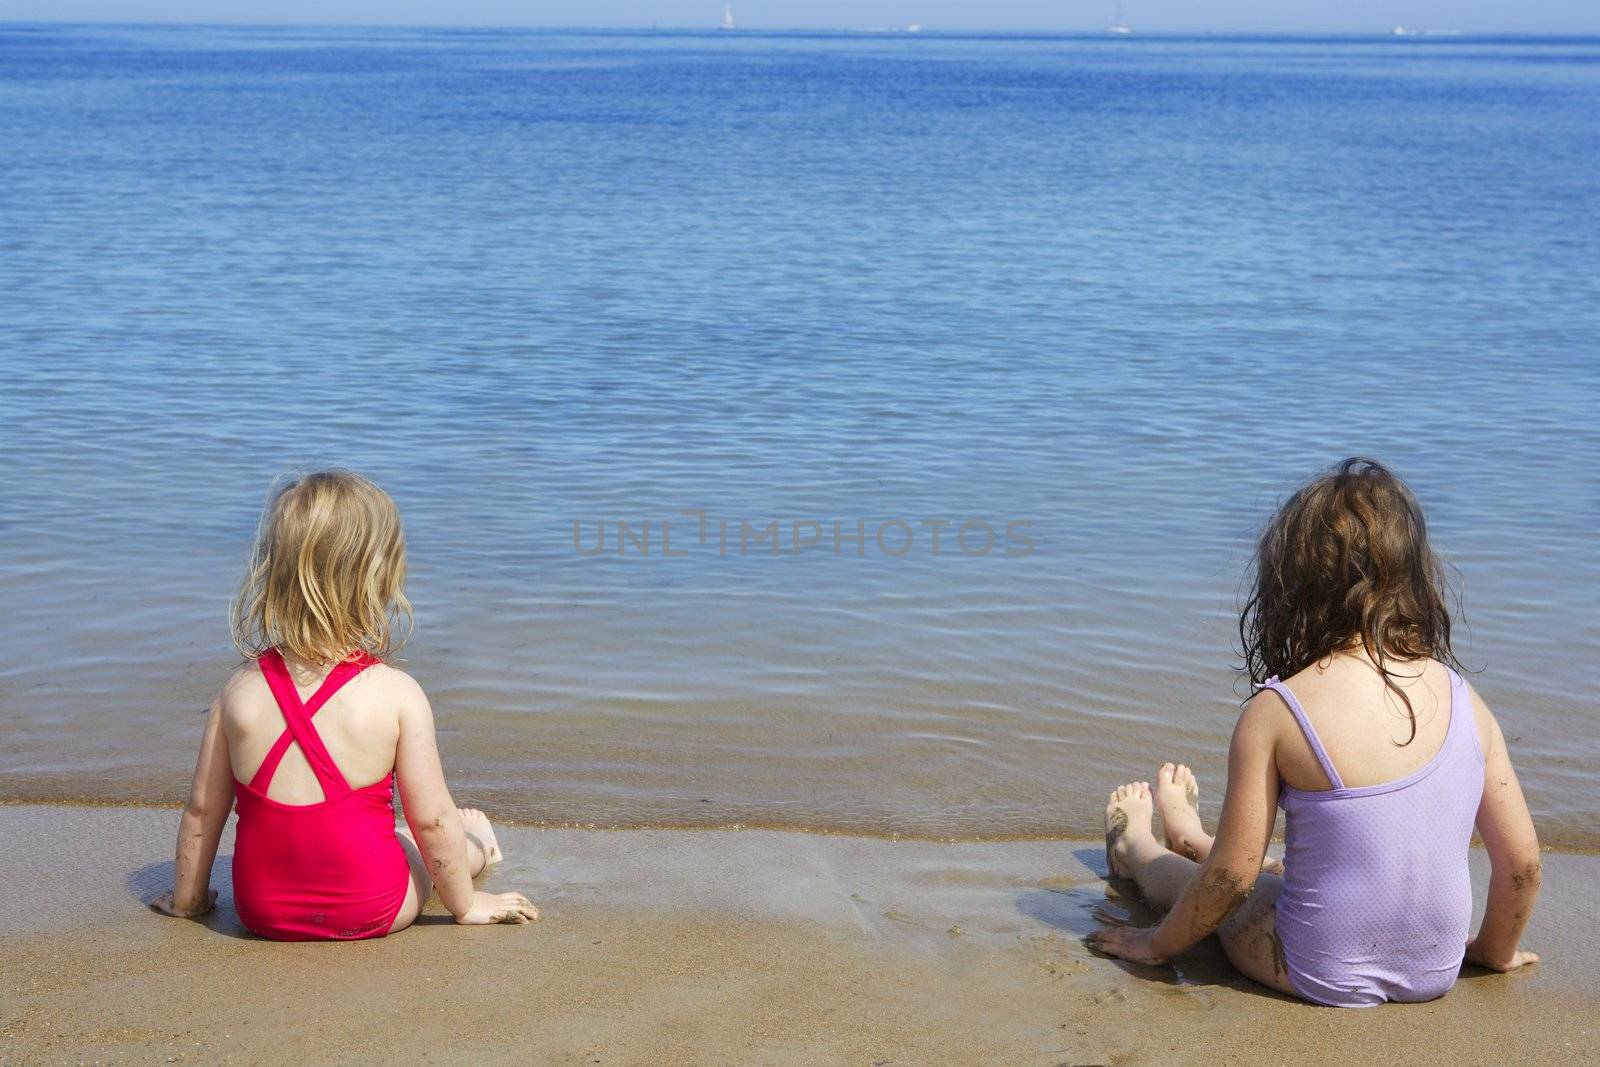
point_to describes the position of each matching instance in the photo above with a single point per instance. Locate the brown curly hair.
(1346, 564)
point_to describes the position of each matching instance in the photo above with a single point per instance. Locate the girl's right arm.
(436, 822)
(200, 828)
(1513, 847)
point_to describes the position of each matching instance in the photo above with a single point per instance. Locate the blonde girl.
(312, 734)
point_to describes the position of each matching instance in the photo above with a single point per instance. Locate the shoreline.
(711, 947)
(91, 804)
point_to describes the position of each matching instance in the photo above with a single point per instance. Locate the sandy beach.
(830, 459)
(712, 947)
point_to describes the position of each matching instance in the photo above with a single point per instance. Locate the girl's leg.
(420, 887)
(1249, 936)
(1177, 796)
(1133, 851)
(482, 849)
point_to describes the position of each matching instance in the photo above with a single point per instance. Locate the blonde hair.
(327, 575)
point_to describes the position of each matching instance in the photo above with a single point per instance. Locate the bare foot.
(1178, 802)
(1127, 812)
(476, 823)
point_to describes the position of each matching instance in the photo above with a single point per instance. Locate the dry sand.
(664, 947)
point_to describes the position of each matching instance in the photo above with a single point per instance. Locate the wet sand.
(947, 765)
(710, 947)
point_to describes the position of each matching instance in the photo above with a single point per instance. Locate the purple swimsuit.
(1377, 899)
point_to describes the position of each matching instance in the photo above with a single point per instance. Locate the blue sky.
(1470, 16)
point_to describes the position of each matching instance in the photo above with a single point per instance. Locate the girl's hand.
(1135, 944)
(499, 908)
(165, 905)
(1517, 959)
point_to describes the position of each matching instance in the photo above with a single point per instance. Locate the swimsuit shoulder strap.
(1312, 739)
(297, 720)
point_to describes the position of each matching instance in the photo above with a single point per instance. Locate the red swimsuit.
(310, 872)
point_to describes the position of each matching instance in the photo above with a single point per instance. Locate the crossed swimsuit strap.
(297, 720)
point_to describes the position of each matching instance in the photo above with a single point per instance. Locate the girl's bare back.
(1364, 725)
(360, 725)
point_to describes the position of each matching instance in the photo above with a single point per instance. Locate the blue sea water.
(1126, 293)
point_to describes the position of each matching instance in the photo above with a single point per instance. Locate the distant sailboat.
(1117, 25)
(727, 18)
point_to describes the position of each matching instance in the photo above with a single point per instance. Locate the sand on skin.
(711, 947)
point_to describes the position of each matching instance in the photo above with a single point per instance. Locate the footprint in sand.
(899, 916)
(1114, 995)
(1065, 883)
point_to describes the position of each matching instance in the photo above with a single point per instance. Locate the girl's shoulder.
(390, 679)
(1490, 739)
(1262, 718)
(389, 690)
(243, 688)
(246, 692)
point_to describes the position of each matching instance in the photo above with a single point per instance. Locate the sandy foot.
(1177, 799)
(1127, 808)
(477, 824)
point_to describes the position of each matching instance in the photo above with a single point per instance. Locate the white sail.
(1117, 25)
(727, 18)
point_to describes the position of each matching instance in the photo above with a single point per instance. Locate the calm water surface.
(1127, 292)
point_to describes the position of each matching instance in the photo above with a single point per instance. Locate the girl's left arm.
(210, 800)
(1249, 809)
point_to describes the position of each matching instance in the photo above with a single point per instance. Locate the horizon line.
(903, 30)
